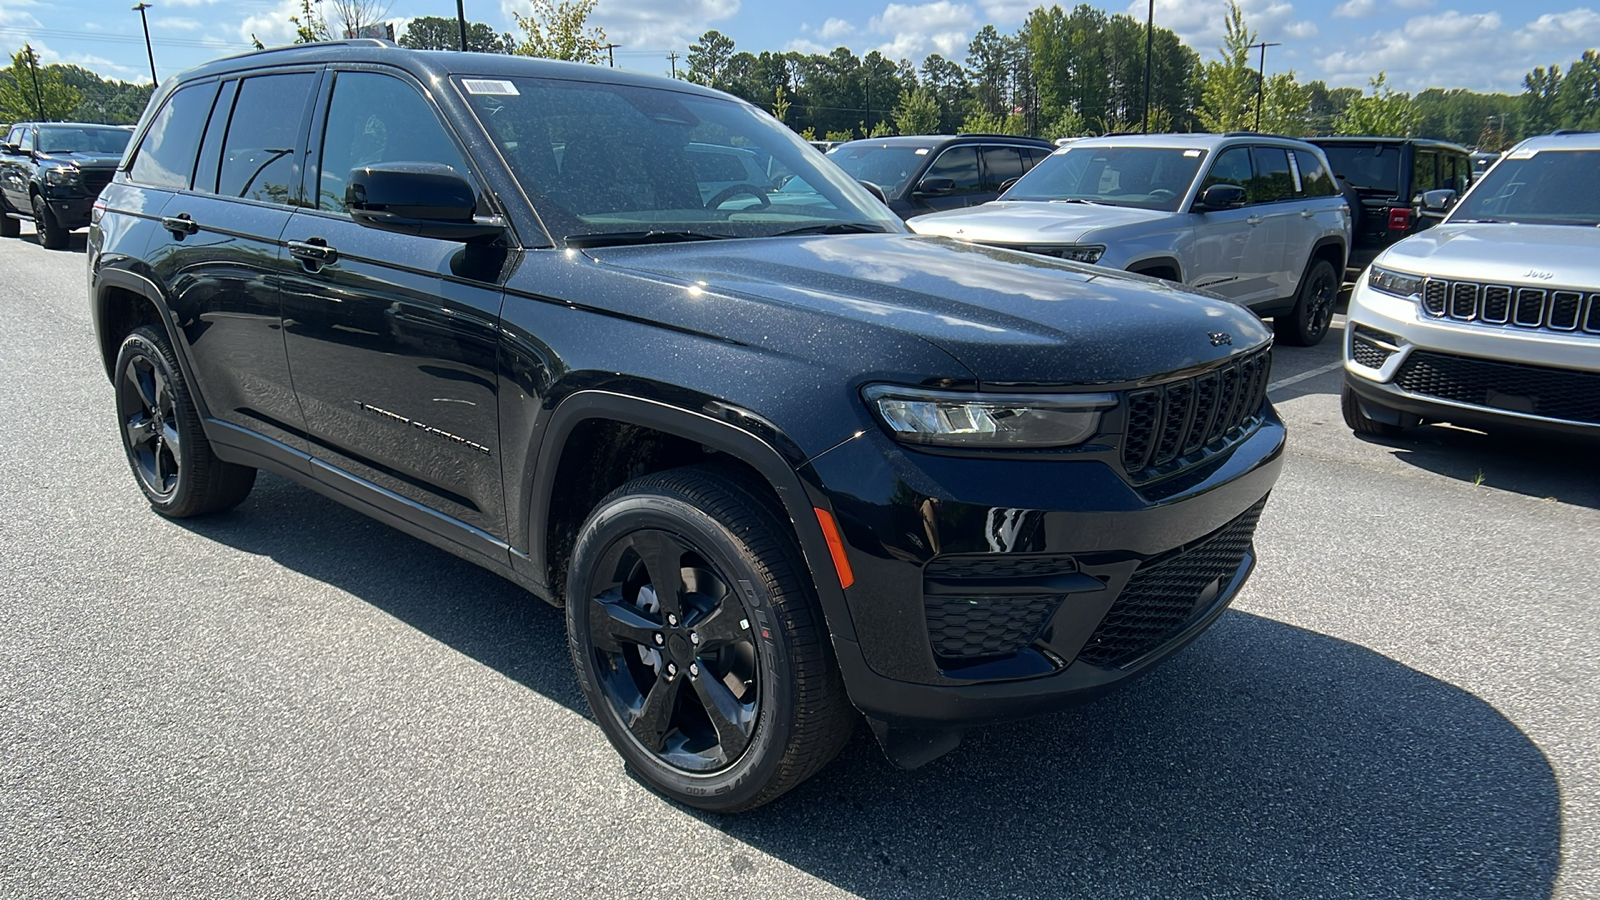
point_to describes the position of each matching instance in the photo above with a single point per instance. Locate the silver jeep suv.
(1255, 218)
(1492, 318)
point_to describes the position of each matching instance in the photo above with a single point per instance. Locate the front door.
(392, 338)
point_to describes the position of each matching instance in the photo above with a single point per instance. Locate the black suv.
(1390, 175)
(926, 173)
(50, 172)
(774, 459)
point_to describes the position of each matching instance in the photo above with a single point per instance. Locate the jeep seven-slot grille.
(1536, 390)
(1171, 422)
(1515, 306)
(1165, 594)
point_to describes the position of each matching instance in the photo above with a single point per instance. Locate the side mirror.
(1221, 196)
(9, 149)
(1006, 185)
(936, 187)
(421, 198)
(875, 191)
(1436, 203)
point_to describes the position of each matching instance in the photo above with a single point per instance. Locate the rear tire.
(699, 644)
(1307, 324)
(1359, 421)
(171, 459)
(51, 235)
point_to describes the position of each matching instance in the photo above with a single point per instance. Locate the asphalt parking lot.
(292, 700)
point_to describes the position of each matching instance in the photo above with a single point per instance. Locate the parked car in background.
(927, 173)
(1481, 161)
(1254, 218)
(783, 465)
(1492, 319)
(51, 172)
(1389, 174)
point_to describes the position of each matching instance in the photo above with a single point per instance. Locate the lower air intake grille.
(1166, 593)
(1552, 393)
(971, 627)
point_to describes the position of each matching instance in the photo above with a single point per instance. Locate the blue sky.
(1419, 43)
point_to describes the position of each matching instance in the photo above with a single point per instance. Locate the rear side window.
(1314, 178)
(378, 119)
(1425, 173)
(1374, 168)
(1273, 180)
(166, 155)
(1000, 165)
(960, 165)
(260, 156)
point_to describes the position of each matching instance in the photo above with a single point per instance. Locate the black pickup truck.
(51, 173)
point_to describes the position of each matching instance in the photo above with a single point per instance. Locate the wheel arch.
(123, 301)
(596, 440)
(1333, 250)
(1149, 265)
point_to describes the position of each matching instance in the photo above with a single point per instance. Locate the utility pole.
(1149, 47)
(608, 48)
(674, 57)
(38, 99)
(1261, 78)
(147, 51)
(461, 23)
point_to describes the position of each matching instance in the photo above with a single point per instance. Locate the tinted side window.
(1032, 156)
(14, 135)
(1000, 164)
(260, 156)
(1461, 177)
(960, 165)
(1424, 173)
(1314, 178)
(166, 156)
(1273, 179)
(26, 144)
(375, 119)
(1232, 167)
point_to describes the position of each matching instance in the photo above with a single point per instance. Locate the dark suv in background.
(927, 173)
(774, 459)
(51, 172)
(1390, 175)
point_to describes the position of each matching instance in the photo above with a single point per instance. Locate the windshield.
(612, 159)
(1540, 187)
(1143, 177)
(1373, 168)
(83, 138)
(888, 166)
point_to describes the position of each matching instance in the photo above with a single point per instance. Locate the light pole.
(1261, 79)
(461, 22)
(1149, 37)
(147, 51)
(38, 99)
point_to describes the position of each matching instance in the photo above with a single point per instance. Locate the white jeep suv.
(1252, 217)
(1492, 318)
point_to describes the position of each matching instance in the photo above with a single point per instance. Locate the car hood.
(83, 159)
(1561, 255)
(1030, 221)
(1011, 318)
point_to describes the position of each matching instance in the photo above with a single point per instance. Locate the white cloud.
(808, 47)
(191, 2)
(915, 31)
(1201, 25)
(273, 26)
(178, 24)
(648, 24)
(834, 29)
(1007, 12)
(1355, 9)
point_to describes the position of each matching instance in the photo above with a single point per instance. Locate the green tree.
(310, 26)
(559, 29)
(31, 92)
(918, 112)
(100, 100)
(709, 58)
(439, 33)
(1228, 99)
(1386, 113)
(780, 104)
(981, 122)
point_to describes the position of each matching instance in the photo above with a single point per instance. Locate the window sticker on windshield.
(1523, 154)
(922, 151)
(489, 86)
(1191, 153)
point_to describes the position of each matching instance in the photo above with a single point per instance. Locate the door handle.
(1307, 213)
(1255, 220)
(179, 225)
(313, 250)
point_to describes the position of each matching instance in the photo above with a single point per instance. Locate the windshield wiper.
(834, 228)
(1081, 200)
(624, 238)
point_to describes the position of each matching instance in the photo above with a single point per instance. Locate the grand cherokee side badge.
(1219, 338)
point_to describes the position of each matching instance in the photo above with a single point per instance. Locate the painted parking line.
(1296, 379)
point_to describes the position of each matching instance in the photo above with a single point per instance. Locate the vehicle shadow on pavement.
(1263, 761)
(1531, 465)
(77, 242)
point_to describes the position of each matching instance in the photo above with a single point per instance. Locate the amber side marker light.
(830, 532)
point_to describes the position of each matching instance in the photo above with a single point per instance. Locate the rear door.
(960, 165)
(1284, 235)
(392, 338)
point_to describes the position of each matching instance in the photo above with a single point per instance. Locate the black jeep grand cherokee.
(774, 459)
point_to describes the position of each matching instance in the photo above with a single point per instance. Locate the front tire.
(1359, 421)
(51, 235)
(699, 644)
(171, 459)
(1307, 324)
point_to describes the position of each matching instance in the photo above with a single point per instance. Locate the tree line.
(1061, 73)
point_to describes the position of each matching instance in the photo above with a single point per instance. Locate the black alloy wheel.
(51, 235)
(698, 643)
(171, 459)
(1308, 323)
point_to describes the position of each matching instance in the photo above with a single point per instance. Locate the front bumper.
(71, 207)
(1399, 360)
(1081, 562)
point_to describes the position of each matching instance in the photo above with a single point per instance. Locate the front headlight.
(1084, 253)
(62, 175)
(1397, 283)
(999, 421)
